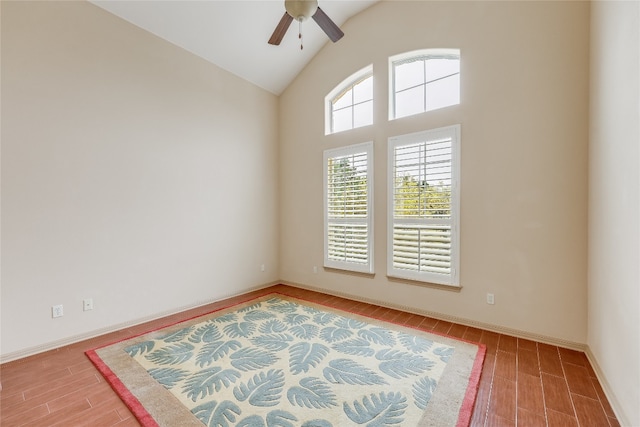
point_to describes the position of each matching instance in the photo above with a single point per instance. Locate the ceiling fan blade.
(327, 25)
(281, 29)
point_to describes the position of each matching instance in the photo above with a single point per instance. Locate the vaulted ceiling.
(233, 34)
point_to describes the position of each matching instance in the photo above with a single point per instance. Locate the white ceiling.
(233, 34)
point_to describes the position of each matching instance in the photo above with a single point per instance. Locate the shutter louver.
(421, 248)
(347, 209)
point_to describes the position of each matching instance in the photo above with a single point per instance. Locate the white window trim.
(406, 56)
(454, 278)
(352, 79)
(345, 151)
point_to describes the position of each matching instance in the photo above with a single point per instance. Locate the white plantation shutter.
(348, 181)
(423, 210)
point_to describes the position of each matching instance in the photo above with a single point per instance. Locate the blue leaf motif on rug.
(317, 423)
(273, 342)
(415, 344)
(168, 377)
(312, 393)
(208, 381)
(355, 347)
(264, 389)
(332, 334)
(343, 322)
(247, 359)
(178, 335)
(399, 364)
(231, 317)
(241, 329)
(275, 418)
(172, 355)
(305, 331)
(141, 348)
(444, 353)
(250, 307)
(272, 326)
(311, 310)
(252, 421)
(324, 318)
(207, 333)
(285, 307)
(304, 356)
(213, 351)
(385, 409)
(295, 319)
(346, 371)
(213, 415)
(279, 418)
(378, 336)
(422, 391)
(256, 315)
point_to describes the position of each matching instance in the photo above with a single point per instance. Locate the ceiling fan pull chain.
(300, 33)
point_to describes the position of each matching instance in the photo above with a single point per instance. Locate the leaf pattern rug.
(277, 361)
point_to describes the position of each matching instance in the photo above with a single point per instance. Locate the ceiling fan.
(301, 10)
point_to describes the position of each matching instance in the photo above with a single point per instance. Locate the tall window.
(348, 208)
(423, 80)
(423, 229)
(350, 104)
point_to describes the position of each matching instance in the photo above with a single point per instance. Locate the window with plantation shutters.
(423, 229)
(348, 231)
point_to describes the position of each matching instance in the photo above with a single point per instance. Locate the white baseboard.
(9, 357)
(52, 345)
(440, 316)
(606, 387)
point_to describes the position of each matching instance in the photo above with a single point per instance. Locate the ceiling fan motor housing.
(301, 10)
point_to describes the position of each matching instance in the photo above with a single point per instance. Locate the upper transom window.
(350, 104)
(423, 80)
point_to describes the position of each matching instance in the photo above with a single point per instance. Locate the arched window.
(423, 80)
(350, 104)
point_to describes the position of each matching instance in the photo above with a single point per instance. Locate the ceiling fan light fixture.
(301, 10)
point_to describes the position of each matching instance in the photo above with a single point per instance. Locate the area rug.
(277, 361)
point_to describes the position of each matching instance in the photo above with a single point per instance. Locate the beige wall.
(133, 173)
(523, 112)
(614, 202)
(121, 176)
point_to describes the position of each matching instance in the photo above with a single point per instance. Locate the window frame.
(415, 55)
(452, 279)
(341, 88)
(355, 149)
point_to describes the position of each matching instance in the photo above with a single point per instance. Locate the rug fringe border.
(134, 405)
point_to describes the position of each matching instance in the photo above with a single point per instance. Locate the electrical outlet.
(315, 269)
(262, 267)
(57, 311)
(87, 304)
(490, 299)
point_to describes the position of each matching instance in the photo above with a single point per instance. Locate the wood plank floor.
(523, 383)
